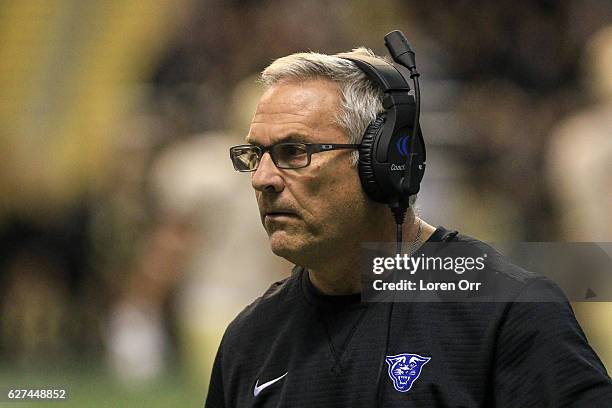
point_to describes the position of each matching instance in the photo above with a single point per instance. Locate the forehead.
(297, 111)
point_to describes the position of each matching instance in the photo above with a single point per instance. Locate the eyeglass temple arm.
(323, 147)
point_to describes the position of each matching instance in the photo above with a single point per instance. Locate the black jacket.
(295, 347)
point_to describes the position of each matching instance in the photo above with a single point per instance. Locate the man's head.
(313, 212)
(360, 100)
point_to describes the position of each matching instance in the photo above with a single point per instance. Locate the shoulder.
(275, 301)
(478, 261)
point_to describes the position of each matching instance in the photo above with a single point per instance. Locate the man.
(309, 341)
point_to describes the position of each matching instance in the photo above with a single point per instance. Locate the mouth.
(279, 215)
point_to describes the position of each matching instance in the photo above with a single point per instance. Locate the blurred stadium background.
(127, 243)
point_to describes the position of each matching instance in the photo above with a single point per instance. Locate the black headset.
(392, 152)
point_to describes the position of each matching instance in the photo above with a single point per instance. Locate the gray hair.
(361, 99)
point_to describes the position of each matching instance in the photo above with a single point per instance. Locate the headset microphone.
(402, 53)
(400, 49)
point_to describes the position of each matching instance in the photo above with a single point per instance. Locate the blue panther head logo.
(404, 369)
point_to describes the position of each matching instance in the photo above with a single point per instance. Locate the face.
(315, 211)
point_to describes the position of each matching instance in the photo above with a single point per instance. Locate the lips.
(278, 214)
(276, 211)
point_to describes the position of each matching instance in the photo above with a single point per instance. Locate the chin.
(283, 247)
(289, 247)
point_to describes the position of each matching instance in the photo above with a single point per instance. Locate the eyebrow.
(289, 138)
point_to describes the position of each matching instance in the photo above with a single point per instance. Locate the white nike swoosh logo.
(259, 388)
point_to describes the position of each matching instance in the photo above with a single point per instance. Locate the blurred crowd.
(144, 266)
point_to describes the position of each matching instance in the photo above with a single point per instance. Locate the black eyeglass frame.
(311, 148)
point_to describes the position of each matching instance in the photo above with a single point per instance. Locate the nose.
(267, 177)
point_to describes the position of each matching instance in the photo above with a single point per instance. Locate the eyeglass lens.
(284, 155)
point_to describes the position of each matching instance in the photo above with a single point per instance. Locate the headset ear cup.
(366, 155)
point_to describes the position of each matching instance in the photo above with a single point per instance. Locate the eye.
(291, 155)
(293, 150)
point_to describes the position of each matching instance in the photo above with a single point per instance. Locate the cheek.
(335, 192)
(342, 181)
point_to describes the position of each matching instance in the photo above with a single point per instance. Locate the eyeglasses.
(284, 155)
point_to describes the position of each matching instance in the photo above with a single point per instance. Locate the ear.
(391, 360)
